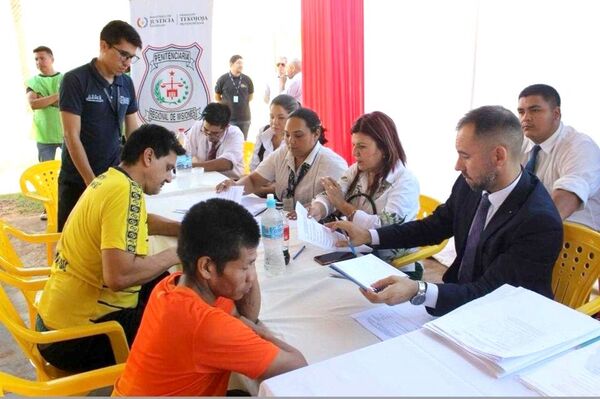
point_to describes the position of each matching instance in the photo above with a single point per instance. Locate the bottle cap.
(270, 201)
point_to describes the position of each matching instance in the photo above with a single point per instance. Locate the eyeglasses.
(209, 133)
(280, 64)
(126, 56)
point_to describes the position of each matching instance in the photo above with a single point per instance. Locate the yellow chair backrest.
(578, 265)
(248, 152)
(27, 338)
(426, 208)
(40, 182)
(9, 258)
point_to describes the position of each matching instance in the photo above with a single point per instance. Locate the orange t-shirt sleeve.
(225, 342)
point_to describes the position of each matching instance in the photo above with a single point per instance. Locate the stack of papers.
(574, 374)
(365, 270)
(514, 328)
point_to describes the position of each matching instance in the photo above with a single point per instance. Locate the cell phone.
(332, 257)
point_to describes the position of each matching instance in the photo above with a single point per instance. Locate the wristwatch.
(419, 297)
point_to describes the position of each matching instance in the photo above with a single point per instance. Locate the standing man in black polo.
(236, 90)
(96, 100)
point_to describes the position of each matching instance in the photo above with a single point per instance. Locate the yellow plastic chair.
(27, 338)
(248, 152)
(73, 385)
(40, 182)
(577, 268)
(10, 260)
(427, 206)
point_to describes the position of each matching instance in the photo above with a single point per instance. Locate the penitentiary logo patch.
(173, 90)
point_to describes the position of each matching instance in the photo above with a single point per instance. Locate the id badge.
(288, 204)
(236, 99)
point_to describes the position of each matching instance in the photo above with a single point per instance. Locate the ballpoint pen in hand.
(352, 249)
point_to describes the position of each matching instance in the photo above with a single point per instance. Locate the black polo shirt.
(229, 87)
(86, 93)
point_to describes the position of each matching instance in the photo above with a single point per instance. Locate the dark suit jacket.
(518, 246)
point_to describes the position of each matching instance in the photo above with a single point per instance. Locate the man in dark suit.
(505, 225)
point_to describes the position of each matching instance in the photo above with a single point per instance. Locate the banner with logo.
(172, 76)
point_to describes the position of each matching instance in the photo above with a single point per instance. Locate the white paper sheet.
(387, 322)
(574, 374)
(309, 230)
(312, 232)
(365, 270)
(234, 193)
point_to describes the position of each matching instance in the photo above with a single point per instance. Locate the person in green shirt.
(42, 94)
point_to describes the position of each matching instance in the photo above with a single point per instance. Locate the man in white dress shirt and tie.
(565, 160)
(214, 144)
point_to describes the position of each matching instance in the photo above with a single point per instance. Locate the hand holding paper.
(391, 290)
(356, 234)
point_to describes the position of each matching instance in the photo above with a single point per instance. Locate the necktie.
(292, 182)
(465, 273)
(212, 154)
(530, 167)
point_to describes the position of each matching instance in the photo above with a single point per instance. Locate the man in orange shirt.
(201, 325)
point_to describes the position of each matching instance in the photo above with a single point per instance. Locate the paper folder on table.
(515, 330)
(365, 270)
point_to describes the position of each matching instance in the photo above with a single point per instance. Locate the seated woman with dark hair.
(297, 168)
(270, 137)
(378, 189)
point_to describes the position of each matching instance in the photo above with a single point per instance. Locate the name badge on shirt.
(236, 99)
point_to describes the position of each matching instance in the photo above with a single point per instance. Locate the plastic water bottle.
(271, 230)
(183, 171)
(286, 233)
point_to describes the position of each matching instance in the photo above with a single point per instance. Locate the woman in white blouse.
(297, 168)
(270, 137)
(378, 189)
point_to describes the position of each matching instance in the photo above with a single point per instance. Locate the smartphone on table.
(333, 257)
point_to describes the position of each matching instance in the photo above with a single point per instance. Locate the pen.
(299, 252)
(351, 247)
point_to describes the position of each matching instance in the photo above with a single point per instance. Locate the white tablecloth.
(305, 306)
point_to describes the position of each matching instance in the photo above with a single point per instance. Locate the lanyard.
(236, 87)
(114, 105)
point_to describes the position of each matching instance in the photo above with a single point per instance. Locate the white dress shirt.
(398, 195)
(263, 138)
(293, 87)
(322, 160)
(230, 147)
(570, 161)
(496, 201)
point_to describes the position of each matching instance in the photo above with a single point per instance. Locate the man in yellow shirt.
(101, 271)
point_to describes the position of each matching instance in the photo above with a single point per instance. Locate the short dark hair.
(312, 120)
(234, 58)
(496, 125)
(43, 48)
(382, 129)
(116, 30)
(161, 140)
(217, 114)
(287, 102)
(548, 93)
(216, 228)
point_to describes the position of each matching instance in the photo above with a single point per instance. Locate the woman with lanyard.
(378, 189)
(295, 169)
